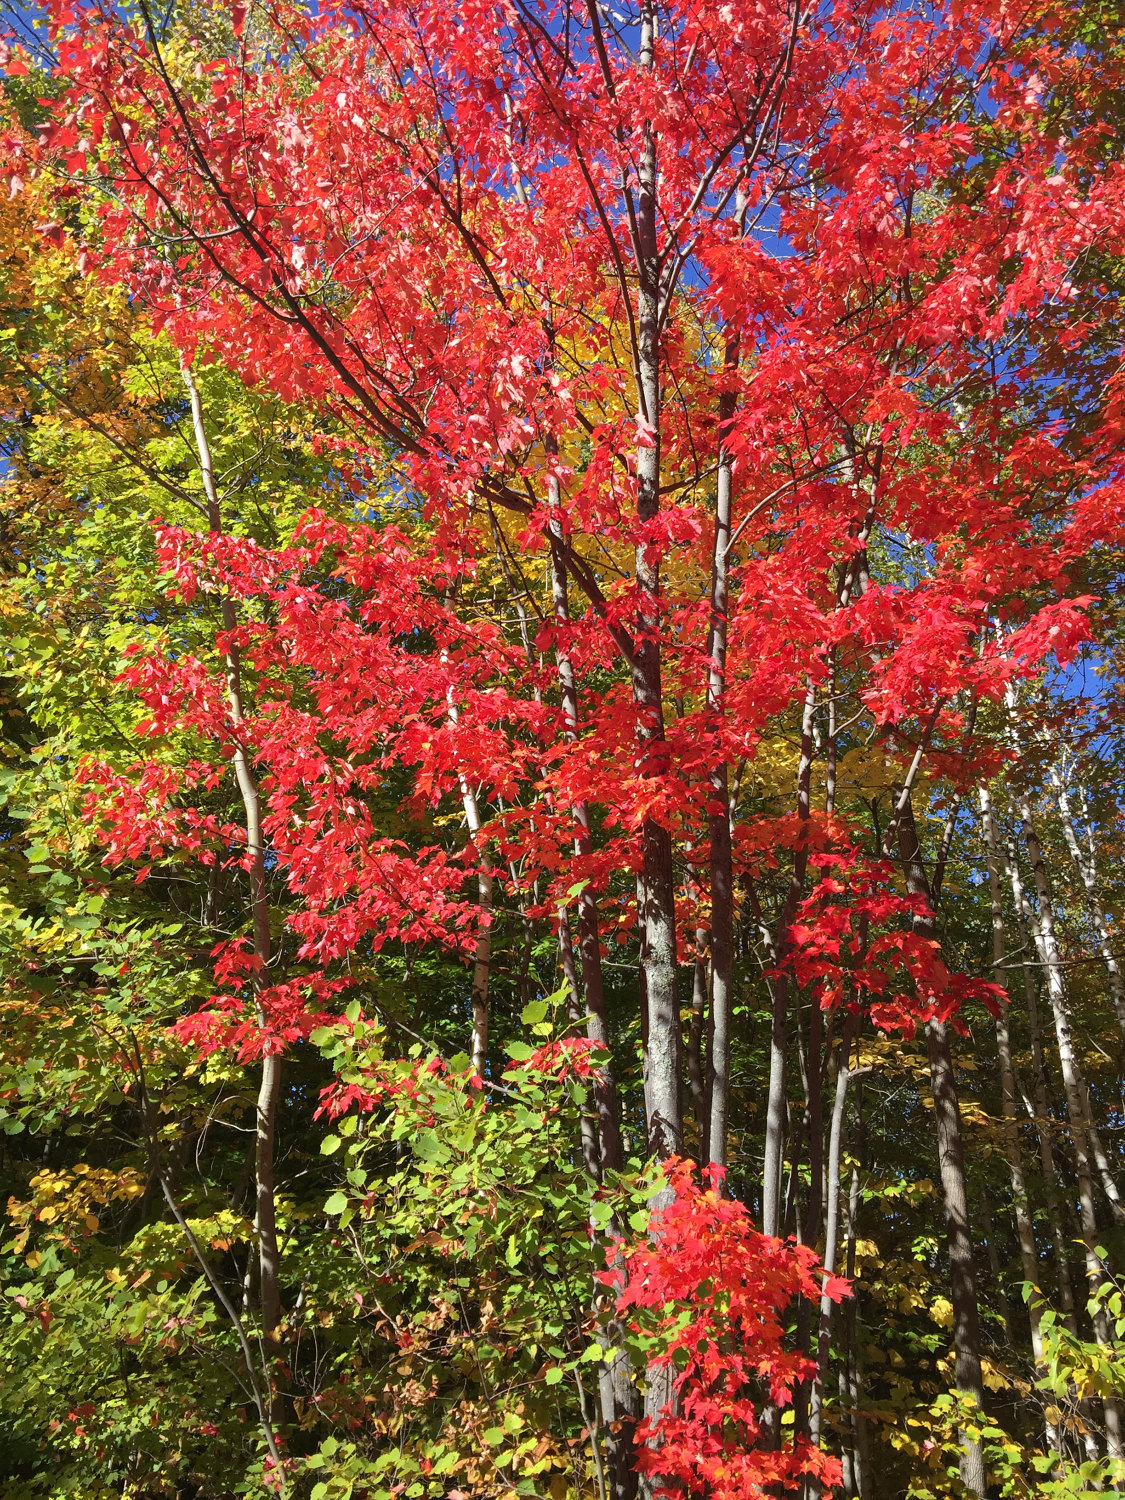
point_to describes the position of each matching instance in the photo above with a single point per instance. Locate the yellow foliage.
(941, 1312)
(67, 1199)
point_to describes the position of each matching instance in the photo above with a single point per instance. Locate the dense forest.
(562, 767)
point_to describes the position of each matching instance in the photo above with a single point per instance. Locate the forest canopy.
(561, 761)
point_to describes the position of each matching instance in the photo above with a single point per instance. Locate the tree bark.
(656, 895)
(269, 1089)
(482, 956)
(851, 1378)
(951, 1158)
(1087, 871)
(719, 822)
(662, 1046)
(618, 1397)
(776, 1112)
(1038, 1109)
(1025, 1229)
(696, 1063)
(589, 938)
(1077, 1107)
(844, 1075)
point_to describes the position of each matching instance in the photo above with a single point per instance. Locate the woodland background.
(560, 579)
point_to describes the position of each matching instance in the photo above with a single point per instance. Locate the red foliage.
(324, 251)
(712, 1293)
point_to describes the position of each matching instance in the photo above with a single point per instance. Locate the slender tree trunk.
(1074, 1084)
(696, 1065)
(618, 1397)
(951, 1158)
(482, 957)
(1025, 1230)
(1077, 1107)
(719, 823)
(844, 1075)
(589, 938)
(269, 1089)
(1087, 871)
(591, 1156)
(1039, 1109)
(962, 1271)
(814, 1123)
(662, 1037)
(662, 1048)
(776, 1112)
(851, 1374)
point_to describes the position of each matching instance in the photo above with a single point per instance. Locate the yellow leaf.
(941, 1311)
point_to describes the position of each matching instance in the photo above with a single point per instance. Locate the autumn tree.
(718, 501)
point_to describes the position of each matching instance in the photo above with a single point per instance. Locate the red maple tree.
(734, 327)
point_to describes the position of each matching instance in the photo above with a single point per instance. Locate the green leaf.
(336, 1204)
(520, 1051)
(329, 1144)
(533, 1013)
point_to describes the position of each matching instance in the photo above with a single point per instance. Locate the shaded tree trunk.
(845, 1074)
(951, 1159)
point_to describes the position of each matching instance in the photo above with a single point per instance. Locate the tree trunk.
(1084, 864)
(719, 822)
(589, 938)
(618, 1397)
(1077, 1107)
(662, 1046)
(269, 1089)
(482, 957)
(851, 1377)
(696, 1065)
(951, 1158)
(1025, 1230)
(844, 1076)
(1039, 1109)
(662, 1039)
(776, 1104)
